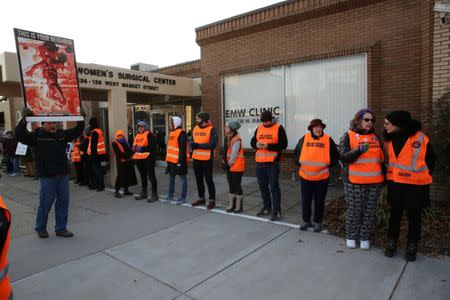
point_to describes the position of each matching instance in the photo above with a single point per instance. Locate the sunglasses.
(368, 120)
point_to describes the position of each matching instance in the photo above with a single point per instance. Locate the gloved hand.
(364, 148)
(225, 166)
(194, 146)
(26, 112)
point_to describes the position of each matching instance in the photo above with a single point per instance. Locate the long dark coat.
(126, 175)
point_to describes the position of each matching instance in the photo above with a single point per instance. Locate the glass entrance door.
(160, 127)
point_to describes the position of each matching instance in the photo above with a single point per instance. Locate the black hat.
(266, 116)
(400, 118)
(93, 122)
(314, 123)
(204, 116)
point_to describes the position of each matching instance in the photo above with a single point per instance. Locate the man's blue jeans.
(56, 187)
(267, 174)
(183, 186)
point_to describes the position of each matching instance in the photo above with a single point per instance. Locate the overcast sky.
(120, 33)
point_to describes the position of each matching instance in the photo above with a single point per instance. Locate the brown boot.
(232, 203)
(199, 202)
(211, 205)
(65, 233)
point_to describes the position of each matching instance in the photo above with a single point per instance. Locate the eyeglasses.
(368, 120)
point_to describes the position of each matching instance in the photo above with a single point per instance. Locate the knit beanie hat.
(266, 116)
(142, 123)
(235, 125)
(204, 116)
(93, 122)
(400, 118)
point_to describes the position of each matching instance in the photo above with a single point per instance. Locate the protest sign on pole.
(49, 78)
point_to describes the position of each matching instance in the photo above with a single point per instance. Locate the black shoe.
(100, 189)
(42, 234)
(65, 233)
(411, 250)
(117, 194)
(391, 248)
(127, 193)
(263, 212)
(305, 226)
(276, 216)
(318, 227)
(141, 196)
(154, 197)
(231, 209)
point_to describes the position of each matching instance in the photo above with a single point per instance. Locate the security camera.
(443, 18)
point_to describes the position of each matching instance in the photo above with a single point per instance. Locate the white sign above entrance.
(104, 77)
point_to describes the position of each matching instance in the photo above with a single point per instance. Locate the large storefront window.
(332, 90)
(246, 95)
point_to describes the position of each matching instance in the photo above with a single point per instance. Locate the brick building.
(385, 48)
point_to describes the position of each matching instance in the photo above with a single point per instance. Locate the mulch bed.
(435, 239)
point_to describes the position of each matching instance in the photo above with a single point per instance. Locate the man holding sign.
(53, 169)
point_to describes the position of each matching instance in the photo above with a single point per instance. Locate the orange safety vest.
(266, 135)
(315, 158)
(5, 286)
(202, 136)
(141, 140)
(76, 153)
(409, 167)
(100, 143)
(367, 168)
(239, 163)
(173, 149)
(119, 145)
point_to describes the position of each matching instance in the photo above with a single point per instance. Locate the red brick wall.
(391, 32)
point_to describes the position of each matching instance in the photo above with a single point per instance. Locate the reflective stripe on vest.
(410, 166)
(202, 136)
(315, 158)
(141, 140)
(76, 154)
(367, 168)
(173, 150)
(266, 135)
(5, 285)
(4, 272)
(239, 162)
(101, 149)
(119, 145)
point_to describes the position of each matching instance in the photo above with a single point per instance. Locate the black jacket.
(278, 147)
(409, 195)
(334, 154)
(51, 157)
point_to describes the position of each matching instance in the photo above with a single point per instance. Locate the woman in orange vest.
(363, 176)
(144, 147)
(410, 162)
(315, 153)
(76, 159)
(126, 176)
(5, 224)
(176, 158)
(234, 164)
(97, 152)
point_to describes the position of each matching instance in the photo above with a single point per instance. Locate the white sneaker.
(14, 174)
(365, 245)
(351, 244)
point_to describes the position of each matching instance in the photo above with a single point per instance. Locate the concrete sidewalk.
(127, 249)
